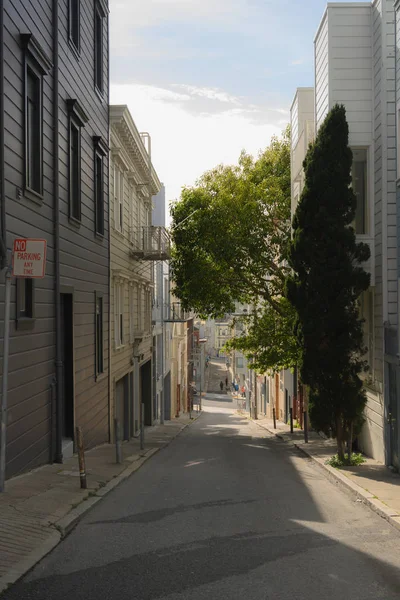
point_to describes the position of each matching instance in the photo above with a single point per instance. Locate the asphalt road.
(226, 511)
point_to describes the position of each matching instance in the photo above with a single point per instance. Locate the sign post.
(28, 261)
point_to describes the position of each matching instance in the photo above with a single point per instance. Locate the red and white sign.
(29, 258)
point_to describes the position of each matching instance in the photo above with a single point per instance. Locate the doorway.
(393, 416)
(67, 349)
(122, 406)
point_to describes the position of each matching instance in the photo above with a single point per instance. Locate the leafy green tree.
(327, 280)
(231, 235)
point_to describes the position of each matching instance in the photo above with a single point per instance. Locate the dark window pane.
(99, 194)
(98, 50)
(74, 21)
(25, 293)
(75, 185)
(359, 178)
(33, 132)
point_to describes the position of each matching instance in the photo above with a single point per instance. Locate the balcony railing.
(176, 314)
(150, 243)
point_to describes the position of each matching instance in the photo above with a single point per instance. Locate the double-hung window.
(74, 24)
(36, 65)
(25, 294)
(77, 120)
(100, 150)
(360, 189)
(99, 16)
(119, 314)
(118, 199)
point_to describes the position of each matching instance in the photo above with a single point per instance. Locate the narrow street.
(226, 511)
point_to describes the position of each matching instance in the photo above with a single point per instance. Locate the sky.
(208, 78)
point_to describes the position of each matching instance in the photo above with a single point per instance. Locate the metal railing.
(150, 243)
(176, 313)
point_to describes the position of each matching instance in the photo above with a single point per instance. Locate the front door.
(393, 416)
(67, 343)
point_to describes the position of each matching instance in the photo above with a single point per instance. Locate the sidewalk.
(39, 508)
(372, 482)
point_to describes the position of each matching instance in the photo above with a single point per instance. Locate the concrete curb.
(340, 479)
(67, 523)
(61, 528)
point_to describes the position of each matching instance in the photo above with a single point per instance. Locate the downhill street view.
(225, 511)
(199, 300)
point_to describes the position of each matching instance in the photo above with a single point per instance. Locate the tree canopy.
(231, 235)
(327, 280)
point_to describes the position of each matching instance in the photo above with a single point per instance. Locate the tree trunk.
(350, 442)
(340, 439)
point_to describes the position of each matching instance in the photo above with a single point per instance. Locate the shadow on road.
(275, 519)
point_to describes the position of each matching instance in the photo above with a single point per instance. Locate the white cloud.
(298, 61)
(210, 93)
(186, 144)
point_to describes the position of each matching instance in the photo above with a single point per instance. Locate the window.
(33, 133)
(99, 153)
(99, 193)
(239, 362)
(147, 310)
(139, 311)
(25, 302)
(75, 171)
(74, 23)
(99, 15)
(359, 183)
(36, 65)
(118, 199)
(99, 335)
(119, 314)
(77, 120)
(131, 314)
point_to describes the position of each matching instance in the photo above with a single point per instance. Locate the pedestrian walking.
(226, 382)
(221, 385)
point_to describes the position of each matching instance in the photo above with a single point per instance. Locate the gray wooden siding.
(84, 256)
(32, 352)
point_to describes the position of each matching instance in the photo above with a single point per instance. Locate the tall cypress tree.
(326, 282)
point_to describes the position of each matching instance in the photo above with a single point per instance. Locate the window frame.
(100, 151)
(367, 216)
(98, 45)
(99, 343)
(119, 186)
(24, 321)
(119, 293)
(75, 44)
(36, 60)
(77, 120)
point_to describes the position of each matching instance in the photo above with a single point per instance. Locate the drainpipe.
(3, 235)
(59, 364)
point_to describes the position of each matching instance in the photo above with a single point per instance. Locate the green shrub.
(355, 460)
